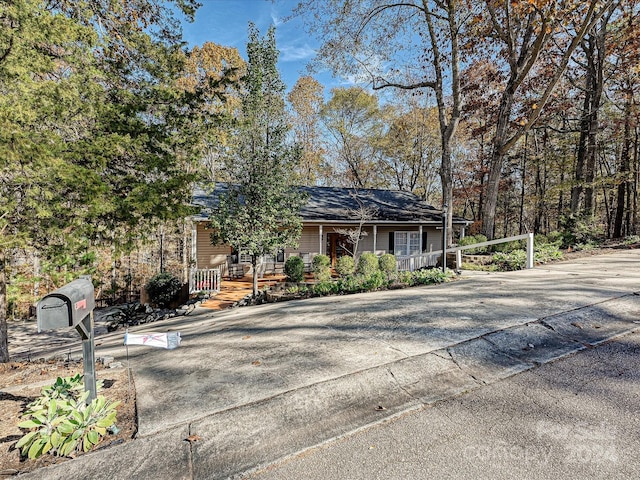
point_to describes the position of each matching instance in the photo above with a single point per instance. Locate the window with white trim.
(406, 243)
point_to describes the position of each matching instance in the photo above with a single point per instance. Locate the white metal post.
(530, 250)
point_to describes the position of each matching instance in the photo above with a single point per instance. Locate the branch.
(412, 86)
(586, 27)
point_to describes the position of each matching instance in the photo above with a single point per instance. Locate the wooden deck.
(233, 290)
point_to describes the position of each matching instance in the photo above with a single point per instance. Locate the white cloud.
(295, 53)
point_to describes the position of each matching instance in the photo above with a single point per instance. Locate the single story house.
(393, 222)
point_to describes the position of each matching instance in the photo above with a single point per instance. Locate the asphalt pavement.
(254, 386)
(576, 418)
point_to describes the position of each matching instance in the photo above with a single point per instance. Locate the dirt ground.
(20, 384)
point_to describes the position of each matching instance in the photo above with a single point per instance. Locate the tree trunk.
(254, 265)
(4, 339)
(495, 163)
(625, 158)
(446, 179)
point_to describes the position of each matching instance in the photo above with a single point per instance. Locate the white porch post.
(194, 244)
(420, 235)
(375, 239)
(320, 238)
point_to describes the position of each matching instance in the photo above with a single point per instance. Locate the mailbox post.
(72, 306)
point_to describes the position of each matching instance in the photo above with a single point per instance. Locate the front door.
(338, 245)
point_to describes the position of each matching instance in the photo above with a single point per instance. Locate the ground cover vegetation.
(371, 273)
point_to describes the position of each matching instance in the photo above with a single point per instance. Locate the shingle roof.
(341, 205)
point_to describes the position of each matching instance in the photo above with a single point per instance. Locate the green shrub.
(350, 283)
(429, 276)
(388, 264)
(163, 288)
(367, 264)
(321, 266)
(470, 240)
(586, 246)
(325, 288)
(320, 261)
(374, 281)
(546, 253)
(515, 260)
(577, 230)
(508, 247)
(555, 237)
(631, 240)
(60, 422)
(345, 266)
(294, 269)
(405, 277)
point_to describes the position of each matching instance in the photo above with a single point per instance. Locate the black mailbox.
(67, 306)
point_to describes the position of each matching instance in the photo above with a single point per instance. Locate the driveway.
(255, 385)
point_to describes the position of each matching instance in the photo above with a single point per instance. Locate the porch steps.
(232, 291)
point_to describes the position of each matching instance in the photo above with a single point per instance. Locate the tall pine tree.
(259, 214)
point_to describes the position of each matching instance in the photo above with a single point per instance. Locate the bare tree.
(354, 235)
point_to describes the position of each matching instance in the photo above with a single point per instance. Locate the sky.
(226, 22)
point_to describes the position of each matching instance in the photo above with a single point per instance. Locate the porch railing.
(204, 280)
(431, 259)
(414, 262)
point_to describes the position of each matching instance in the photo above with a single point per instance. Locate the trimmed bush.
(368, 264)
(163, 288)
(345, 266)
(320, 261)
(321, 266)
(387, 264)
(294, 269)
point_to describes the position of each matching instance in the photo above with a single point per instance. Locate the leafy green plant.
(509, 247)
(405, 277)
(325, 288)
(345, 266)
(375, 281)
(429, 276)
(577, 230)
(321, 266)
(163, 288)
(586, 246)
(350, 283)
(473, 239)
(515, 260)
(294, 269)
(320, 261)
(388, 264)
(546, 252)
(368, 264)
(61, 423)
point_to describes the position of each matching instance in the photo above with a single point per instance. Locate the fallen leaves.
(193, 438)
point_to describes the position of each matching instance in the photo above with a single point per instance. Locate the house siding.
(208, 255)
(214, 256)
